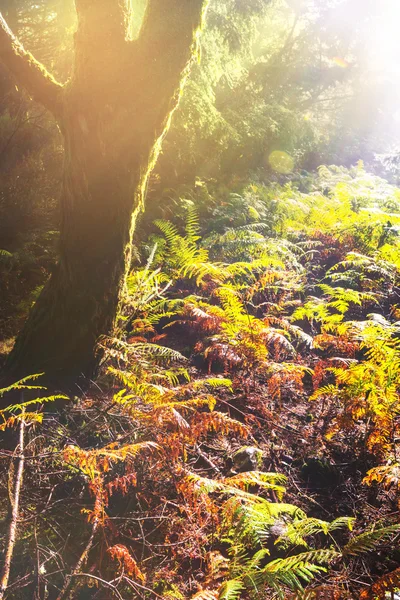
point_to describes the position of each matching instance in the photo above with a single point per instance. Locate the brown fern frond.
(126, 562)
(387, 583)
(217, 422)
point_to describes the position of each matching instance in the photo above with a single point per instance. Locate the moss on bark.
(113, 114)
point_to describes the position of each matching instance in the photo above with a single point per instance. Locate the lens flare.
(281, 162)
(340, 62)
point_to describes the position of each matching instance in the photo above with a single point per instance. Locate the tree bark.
(113, 114)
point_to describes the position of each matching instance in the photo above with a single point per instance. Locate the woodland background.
(242, 438)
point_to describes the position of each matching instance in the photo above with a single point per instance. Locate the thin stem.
(102, 581)
(67, 590)
(12, 536)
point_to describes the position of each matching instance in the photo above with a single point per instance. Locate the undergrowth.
(253, 369)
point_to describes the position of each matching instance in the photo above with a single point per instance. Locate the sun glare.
(383, 40)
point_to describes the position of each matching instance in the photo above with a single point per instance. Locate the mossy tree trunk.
(113, 114)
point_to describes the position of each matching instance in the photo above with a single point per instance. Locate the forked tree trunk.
(113, 114)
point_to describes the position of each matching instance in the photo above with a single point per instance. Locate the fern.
(97, 461)
(142, 351)
(36, 401)
(294, 572)
(387, 583)
(267, 481)
(23, 384)
(169, 231)
(20, 407)
(26, 417)
(231, 590)
(185, 257)
(369, 540)
(296, 532)
(192, 226)
(205, 595)
(212, 382)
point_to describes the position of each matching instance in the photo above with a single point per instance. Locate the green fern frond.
(225, 487)
(139, 388)
(296, 532)
(323, 556)
(267, 481)
(195, 268)
(231, 590)
(213, 382)
(326, 390)
(22, 405)
(192, 226)
(369, 540)
(295, 571)
(22, 384)
(169, 231)
(342, 522)
(147, 351)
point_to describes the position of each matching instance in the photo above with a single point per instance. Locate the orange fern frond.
(126, 561)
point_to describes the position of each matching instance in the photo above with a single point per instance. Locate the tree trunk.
(113, 115)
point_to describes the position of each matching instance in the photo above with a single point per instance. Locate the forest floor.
(241, 439)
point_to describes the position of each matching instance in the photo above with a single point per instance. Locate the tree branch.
(165, 47)
(100, 41)
(103, 21)
(169, 24)
(29, 73)
(162, 56)
(168, 33)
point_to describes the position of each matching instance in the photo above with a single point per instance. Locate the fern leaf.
(267, 481)
(213, 382)
(168, 230)
(23, 405)
(23, 384)
(230, 590)
(387, 583)
(369, 540)
(205, 595)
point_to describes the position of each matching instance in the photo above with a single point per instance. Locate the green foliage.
(272, 301)
(275, 78)
(184, 258)
(299, 304)
(14, 413)
(369, 540)
(231, 590)
(285, 284)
